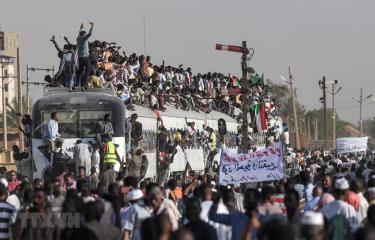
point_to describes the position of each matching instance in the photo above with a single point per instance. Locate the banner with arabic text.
(263, 165)
(351, 144)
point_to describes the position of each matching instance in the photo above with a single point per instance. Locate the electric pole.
(298, 145)
(322, 84)
(334, 92)
(360, 112)
(360, 101)
(20, 104)
(3, 77)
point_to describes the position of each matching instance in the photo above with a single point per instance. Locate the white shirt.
(339, 207)
(134, 218)
(223, 232)
(363, 207)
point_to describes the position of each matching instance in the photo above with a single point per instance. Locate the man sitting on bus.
(51, 132)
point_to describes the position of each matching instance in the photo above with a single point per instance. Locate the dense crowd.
(100, 64)
(323, 196)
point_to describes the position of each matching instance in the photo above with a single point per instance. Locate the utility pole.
(244, 86)
(334, 92)
(360, 112)
(322, 84)
(360, 101)
(3, 77)
(298, 145)
(20, 104)
(308, 127)
(333, 118)
(27, 90)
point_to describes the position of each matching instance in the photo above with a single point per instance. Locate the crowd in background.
(323, 196)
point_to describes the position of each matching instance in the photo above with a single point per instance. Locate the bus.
(78, 114)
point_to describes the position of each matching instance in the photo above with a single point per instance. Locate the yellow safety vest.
(213, 142)
(110, 154)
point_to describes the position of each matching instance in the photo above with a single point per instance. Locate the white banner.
(351, 144)
(263, 165)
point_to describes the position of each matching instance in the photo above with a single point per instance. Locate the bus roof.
(179, 113)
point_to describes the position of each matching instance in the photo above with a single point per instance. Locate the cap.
(341, 184)
(312, 218)
(135, 195)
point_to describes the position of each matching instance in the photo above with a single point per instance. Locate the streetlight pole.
(298, 145)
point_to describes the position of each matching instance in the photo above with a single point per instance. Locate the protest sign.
(351, 144)
(263, 165)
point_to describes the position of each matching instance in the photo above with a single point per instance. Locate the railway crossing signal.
(244, 86)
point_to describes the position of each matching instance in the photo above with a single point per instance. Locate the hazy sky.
(334, 38)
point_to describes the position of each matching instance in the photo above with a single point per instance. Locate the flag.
(255, 78)
(260, 116)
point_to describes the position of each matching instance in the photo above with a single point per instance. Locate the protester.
(51, 132)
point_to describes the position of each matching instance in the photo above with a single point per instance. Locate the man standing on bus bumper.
(51, 132)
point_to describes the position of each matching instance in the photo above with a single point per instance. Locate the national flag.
(260, 116)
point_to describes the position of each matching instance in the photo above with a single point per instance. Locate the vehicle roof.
(179, 113)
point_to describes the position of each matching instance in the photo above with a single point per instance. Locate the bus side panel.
(40, 161)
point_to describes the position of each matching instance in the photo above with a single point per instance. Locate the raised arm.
(216, 217)
(67, 41)
(90, 32)
(55, 44)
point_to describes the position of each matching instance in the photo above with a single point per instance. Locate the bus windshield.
(77, 123)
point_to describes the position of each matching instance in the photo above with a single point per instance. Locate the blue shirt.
(237, 220)
(309, 206)
(83, 44)
(51, 130)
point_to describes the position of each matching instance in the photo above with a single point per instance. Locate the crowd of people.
(136, 80)
(323, 196)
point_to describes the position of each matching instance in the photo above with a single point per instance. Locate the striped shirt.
(7, 218)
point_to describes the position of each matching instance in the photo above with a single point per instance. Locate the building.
(8, 54)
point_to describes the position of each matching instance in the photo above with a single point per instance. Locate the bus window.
(88, 121)
(68, 127)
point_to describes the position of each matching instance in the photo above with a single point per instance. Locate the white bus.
(78, 114)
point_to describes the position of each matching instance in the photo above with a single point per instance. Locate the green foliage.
(283, 101)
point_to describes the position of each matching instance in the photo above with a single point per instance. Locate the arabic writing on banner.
(263, 165)
(351, 144)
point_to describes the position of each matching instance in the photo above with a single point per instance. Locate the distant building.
(8, 52)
